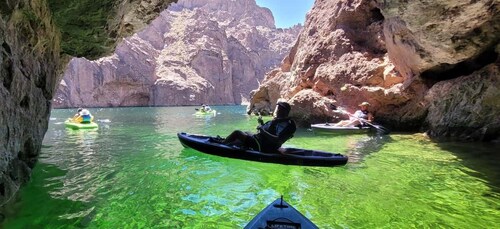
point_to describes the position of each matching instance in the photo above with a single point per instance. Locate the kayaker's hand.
(260, 121)
(282, 151)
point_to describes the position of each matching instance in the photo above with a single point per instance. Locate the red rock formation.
(395, 54)
(197, 51)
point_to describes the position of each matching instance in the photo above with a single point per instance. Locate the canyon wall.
(29, 56)
(197, 51)
(36, 39)
(424, 66)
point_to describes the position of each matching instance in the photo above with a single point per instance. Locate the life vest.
(361, 114)
(283, 128)
(86, 118)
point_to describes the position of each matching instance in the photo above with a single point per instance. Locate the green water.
(133, 173)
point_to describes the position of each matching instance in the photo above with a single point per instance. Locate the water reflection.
(84, 139)
(361, 148)
(132, 172)
(76, 152)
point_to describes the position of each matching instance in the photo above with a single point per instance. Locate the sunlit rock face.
(35, 40)
(406, 58)
(197, 51)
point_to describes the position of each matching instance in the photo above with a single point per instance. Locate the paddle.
(259, 120)
(380, 129)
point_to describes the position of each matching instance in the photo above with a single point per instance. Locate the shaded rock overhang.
(37, 37)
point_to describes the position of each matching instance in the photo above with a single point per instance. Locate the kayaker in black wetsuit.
(271, 135)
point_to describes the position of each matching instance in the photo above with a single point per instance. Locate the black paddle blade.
(381, 130)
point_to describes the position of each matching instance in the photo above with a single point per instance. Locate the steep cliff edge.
(196, 51)
(429, 66)
(31, 58)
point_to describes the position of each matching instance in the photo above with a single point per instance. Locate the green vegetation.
(83, 25)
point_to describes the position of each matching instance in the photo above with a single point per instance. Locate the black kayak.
(279, 214)
(290, 156)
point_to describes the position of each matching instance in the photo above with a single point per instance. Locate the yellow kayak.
(211, 112)
(76, 126)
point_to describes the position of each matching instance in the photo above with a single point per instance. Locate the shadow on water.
(366, 146)
(37, 191)
(481, 158)
(355, 146)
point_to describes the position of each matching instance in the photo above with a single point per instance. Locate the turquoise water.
(133, 173)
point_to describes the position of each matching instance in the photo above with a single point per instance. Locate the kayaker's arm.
(268, 135)
(260, 121)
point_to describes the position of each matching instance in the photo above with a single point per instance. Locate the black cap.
(285, 106)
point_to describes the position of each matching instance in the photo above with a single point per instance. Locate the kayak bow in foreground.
(280, 214)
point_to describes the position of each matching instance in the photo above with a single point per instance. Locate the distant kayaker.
(271, 135)
(78, 113)
(205, 108)
(360, 116)
(83, 116)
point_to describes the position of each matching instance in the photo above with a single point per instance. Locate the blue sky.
(287, 12)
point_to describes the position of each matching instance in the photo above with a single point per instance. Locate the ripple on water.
(133, 173)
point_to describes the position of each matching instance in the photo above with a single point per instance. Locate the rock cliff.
(197, 51)
(423, 65)
(420, 63)
(35, 39)
(29, 56)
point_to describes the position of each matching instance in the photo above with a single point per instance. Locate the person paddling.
(83, 116)
(204, 108)
(359, 118)
(78, 113)
(271, 135)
